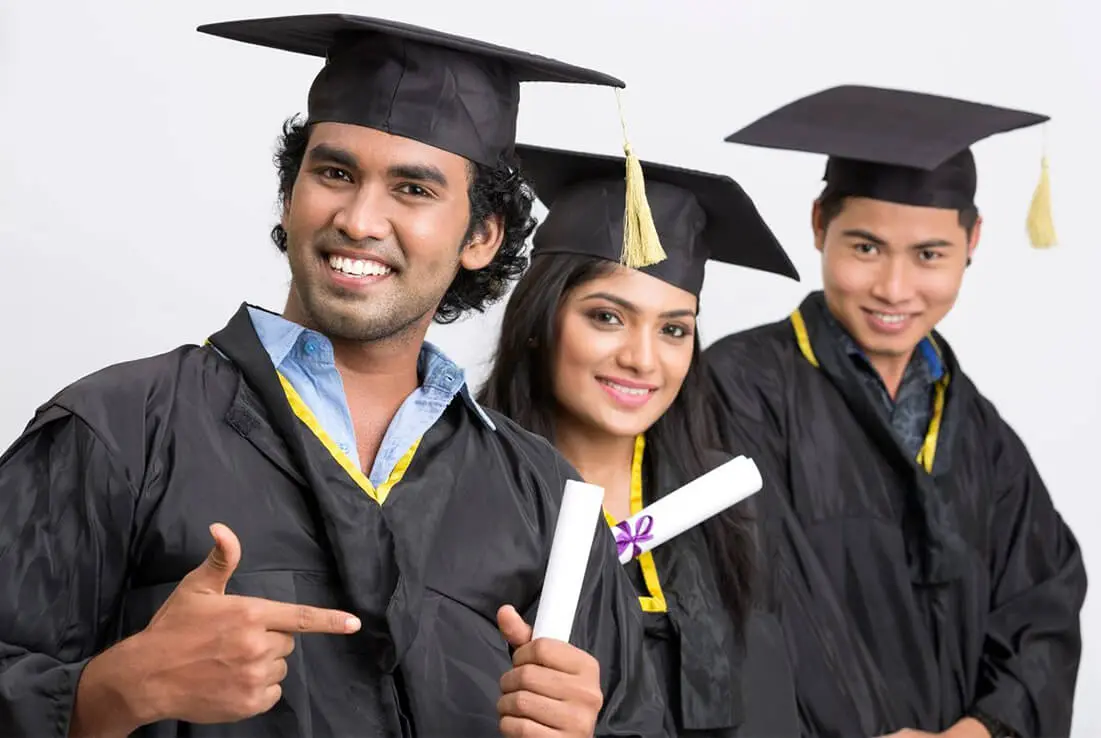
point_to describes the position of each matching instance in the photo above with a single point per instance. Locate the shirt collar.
(440, 374)
(437, 372)
(925, 355)
(277, 334)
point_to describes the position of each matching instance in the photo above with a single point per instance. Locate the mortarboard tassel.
(641, 245)
(1041, 225)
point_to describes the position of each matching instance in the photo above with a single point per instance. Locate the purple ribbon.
(625, 538)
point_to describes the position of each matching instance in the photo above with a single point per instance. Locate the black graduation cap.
(447, 91)
(698, 216)
(893, 145)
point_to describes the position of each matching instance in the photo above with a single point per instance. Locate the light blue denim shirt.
(305, 358)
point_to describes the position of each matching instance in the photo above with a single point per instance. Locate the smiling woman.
(603, 361)
(625, 345)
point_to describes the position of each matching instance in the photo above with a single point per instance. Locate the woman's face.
(624, 347)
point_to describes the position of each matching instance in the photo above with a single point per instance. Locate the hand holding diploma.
(687, 507)
(553, 688)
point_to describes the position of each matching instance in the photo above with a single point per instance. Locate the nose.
(637, 353)
(364, 216)
(892, 284)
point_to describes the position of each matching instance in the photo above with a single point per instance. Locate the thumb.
(513, 627)
(213, 574)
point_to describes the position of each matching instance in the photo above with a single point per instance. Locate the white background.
(137, 190)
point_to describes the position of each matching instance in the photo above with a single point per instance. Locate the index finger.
(554, 654)
(287, 618)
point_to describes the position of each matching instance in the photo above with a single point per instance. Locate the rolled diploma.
(569, 556)
(687, 507)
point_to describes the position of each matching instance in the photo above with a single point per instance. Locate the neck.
(891, 369)
(601, 459)
(383, 369)
(386, 368)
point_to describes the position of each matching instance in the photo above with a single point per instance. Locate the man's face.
(375, 232)
(892, 272)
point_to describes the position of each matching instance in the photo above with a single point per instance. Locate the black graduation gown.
(908, 598)
(105, 503)
(716, 685)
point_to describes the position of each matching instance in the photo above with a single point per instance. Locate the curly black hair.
(499, 190)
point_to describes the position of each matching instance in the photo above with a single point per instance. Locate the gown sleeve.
(1033, 643)
(609, 627)
(65, 517)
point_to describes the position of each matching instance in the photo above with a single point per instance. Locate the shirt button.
(311, 347)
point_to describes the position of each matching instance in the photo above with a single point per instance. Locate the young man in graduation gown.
(379, 539)
(926, 581)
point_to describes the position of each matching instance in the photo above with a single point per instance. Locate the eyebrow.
(872, 238)
(346, 160)
(631, 307)
(333, 155)
(419, 173)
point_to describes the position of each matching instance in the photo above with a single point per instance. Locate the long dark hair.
(520, 385)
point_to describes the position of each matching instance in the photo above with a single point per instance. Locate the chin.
(621, 425)
(328, 310)
(896, 346)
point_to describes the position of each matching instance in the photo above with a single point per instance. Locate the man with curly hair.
(379, 539)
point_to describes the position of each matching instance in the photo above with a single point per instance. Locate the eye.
(414, 190)
(605, 317)
(676, 331)
(866, 248)
(334, 173)
(929, 255)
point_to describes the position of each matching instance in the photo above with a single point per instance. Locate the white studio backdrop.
(137, 189)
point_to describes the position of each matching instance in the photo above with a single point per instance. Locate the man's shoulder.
(769, 339)
(125, 405)
(137, 381)
(974, 412)
(122, 398)
(756, 359)
(524, 447)
(963, 390)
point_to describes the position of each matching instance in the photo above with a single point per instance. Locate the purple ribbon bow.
(625, 539)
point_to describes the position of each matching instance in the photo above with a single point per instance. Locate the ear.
(484, 244)
(285, 211)
(816, 226)
(974, 242)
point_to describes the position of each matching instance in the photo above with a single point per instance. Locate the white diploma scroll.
(687, 507)
(569, 556)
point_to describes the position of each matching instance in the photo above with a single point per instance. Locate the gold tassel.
(641, 245)
(1041, 226)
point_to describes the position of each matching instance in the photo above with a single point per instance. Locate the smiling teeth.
(890, 317)
(638, 391)
(358, 267)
